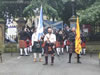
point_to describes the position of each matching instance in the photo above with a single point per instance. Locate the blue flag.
(40, 24)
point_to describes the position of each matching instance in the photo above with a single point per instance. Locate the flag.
(40, 24)
(77, 38)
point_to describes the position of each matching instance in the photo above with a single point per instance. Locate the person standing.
(70, 51)
(36, 46)
(72, 46)
(23, 42)
(66, 34)
(50, 40)
(83, 43)
(59, 42)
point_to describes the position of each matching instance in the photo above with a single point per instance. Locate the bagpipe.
(48, 44)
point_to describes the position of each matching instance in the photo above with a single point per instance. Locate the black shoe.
(79, 62)
(42, 54)
(21, 55)
(52, 64)
(62, 53)
(45, 64)
(58, 55)
(27, 55)
(69, 62)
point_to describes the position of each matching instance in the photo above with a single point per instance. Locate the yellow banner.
(77, 38)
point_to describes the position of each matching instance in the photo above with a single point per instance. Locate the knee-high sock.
(42, 51)
(46, 59)
(21, 51)
(52, 59)
(84, 50)
(65, 42)
(70, 55)
(25, 50)
(35, 55)
(58, 50)
(78, 57)
(40, 55)
(67, 48)
(30, 48)
(62, 50)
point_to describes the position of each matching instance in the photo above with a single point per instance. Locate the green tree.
(90, 15)
(47, 8)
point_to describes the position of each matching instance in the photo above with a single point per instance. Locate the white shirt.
(34, 37)
(51, 37)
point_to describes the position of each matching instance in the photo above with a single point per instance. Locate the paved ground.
(17, 65)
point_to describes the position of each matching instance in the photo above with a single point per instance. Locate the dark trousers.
(78, 58)
(46, 59)
(70, 55)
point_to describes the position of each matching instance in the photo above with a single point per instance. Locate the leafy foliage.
(90, 15)
(47, 7)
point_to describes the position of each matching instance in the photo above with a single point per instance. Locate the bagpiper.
(72, 45)
(49, 40)
(23, 42)
(59, 42)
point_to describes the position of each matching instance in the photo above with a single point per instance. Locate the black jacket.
(72, 36)
(24, 35)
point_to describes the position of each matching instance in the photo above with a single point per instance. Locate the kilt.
(46, 48)
(22, 44)
(30, 43)
(59, 44)
(43, 44)
(67, 42)
(83, 45)
(37, 48)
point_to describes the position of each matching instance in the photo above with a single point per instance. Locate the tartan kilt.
(46, 48)
(43, 44)
(22, 44)
(59, 44)
(67, 42)
(83, 45)
(30, 43)
(37, 47)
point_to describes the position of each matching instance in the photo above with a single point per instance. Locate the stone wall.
(1, 35)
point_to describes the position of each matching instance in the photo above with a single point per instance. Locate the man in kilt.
(49, 40)
(59, 42)
(66, 37)
(23, 43)
(72, 45)
(36, 46)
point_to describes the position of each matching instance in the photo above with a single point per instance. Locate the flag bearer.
(36, 46)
